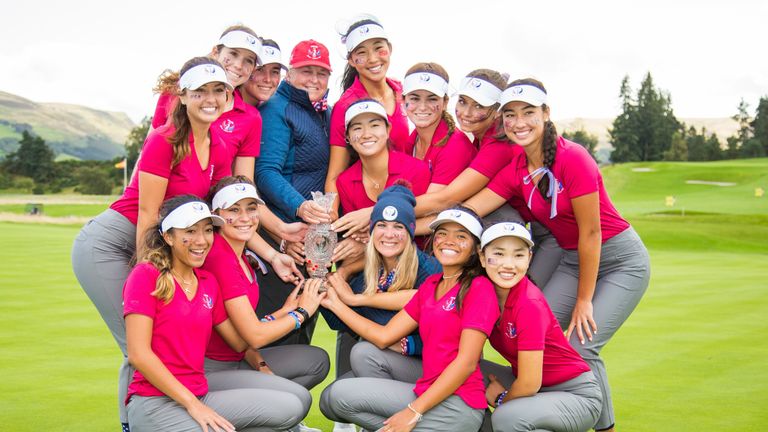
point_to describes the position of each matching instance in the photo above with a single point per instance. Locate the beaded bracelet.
(418, 414)
(296, 318)
(404, 346)
(501, 397)
(267, 318)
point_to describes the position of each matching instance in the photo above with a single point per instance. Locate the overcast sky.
(107, 55)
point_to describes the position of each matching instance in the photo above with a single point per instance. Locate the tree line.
(646, 130)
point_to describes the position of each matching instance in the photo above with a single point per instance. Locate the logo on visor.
(450, 304)
(509, 227)
(389, 213)
(425, 77)
(240, 188)
(198, 207)
(269, 50)
(227, 125)
(207, 301)
(476, 83)
(313, 52)
(456, 214)
(511, 331)
(210, 69)
(364, 30)
(251, 40)
(517, 90)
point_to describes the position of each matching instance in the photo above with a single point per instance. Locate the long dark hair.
(350, 73)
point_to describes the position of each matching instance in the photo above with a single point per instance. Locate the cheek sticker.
(358, 60)
(383, 52)
(356, 137)
(195, 95)
(229, 221)
(463, 244)
(433, 106)
(493, 261)
(185, 240)
(399, 236)
(407, 105)
(536, 121)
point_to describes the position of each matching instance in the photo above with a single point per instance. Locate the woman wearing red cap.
(605, 267)
(365, 76)
(184, 156)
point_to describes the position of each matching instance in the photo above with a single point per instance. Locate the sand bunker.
(711, 183)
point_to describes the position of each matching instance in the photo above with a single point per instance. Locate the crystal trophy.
(320, 240)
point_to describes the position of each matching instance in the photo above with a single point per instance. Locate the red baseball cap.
(310, 53)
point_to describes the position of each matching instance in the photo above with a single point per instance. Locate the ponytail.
(548, 148)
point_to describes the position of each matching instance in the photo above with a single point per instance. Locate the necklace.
(184, 282)
(375, 184)
(452, 277)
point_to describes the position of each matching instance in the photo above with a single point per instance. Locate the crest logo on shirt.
(227, 126)
(207, 301)
(389, 213)
(560, 186)
(511, 330)
(313, 52)
(450, 304)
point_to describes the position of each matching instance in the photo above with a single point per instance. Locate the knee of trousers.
(320, 361)
(512, 419)
(327, 402)
(364, 353)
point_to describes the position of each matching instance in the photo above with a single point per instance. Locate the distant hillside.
(722, 127)
(72, 131)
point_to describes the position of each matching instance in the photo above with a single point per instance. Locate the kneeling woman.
(235, 199)
(548, 385)
(455, 312)
(170, 308)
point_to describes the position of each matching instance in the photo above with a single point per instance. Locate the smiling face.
(206, 103)
(190, 245)
(424, 108)
(263, 82)
(472, 117)
(371, 59)
(238, 63)
(506, 261)
(524, 123)
(242, 220)
(368, 134)
(390, 238)
(312, 79)
(453, 245)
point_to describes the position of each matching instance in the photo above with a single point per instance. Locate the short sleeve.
(343, 186)
(579, 171)
(504, 183)
(492, 157)
(219, 311)
(337, 123)
(413, 307)
(251, 145)
(165, 105)
(479, 309)
(137, 291)
(532, 321)
(156, 155)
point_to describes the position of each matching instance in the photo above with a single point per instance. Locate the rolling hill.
(72, 131)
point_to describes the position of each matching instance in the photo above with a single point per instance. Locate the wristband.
(296, 318)
(303, 312)
(404, 346)
(501, 397)
(282, 246)
(268, 318)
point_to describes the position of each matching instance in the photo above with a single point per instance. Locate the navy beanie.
(396, 203)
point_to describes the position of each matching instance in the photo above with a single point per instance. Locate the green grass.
(58, 210)
(690, 358)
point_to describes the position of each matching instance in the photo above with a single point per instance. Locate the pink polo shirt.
(398, 120)
(528, 324)
(239, 127)
(186, 177)
(180, 329)
(493, 154)
(577, 174)
(352, 194)
(440, 327)
(447, 161)
(223, 264)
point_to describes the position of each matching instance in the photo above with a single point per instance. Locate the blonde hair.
(406, 270)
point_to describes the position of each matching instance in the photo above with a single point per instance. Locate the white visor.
(460, 217)
(480, 90)
(270, 54)
(230, 195)
(201, 75)
(186, 215)
(366, 106)
(506, 229)
(362, 34)
(523, 93)
(430, 82)
(245, 40)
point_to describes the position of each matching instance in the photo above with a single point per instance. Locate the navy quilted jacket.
(294, 151)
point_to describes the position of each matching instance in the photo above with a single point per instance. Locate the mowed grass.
(57, 210)
(690, 358)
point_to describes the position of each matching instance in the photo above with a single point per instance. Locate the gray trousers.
(248, 409)
(367, 402)
(572, 406)
(297, 369)
(622, 279)
(344, 343)
(101, 256)
(546, 252)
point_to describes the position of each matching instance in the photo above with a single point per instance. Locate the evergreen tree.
(135, 141)
(587, 140)
(32, 159)
(646, 127)
(760, 124)
(743, 134)
(678, 150)
(702, 147)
